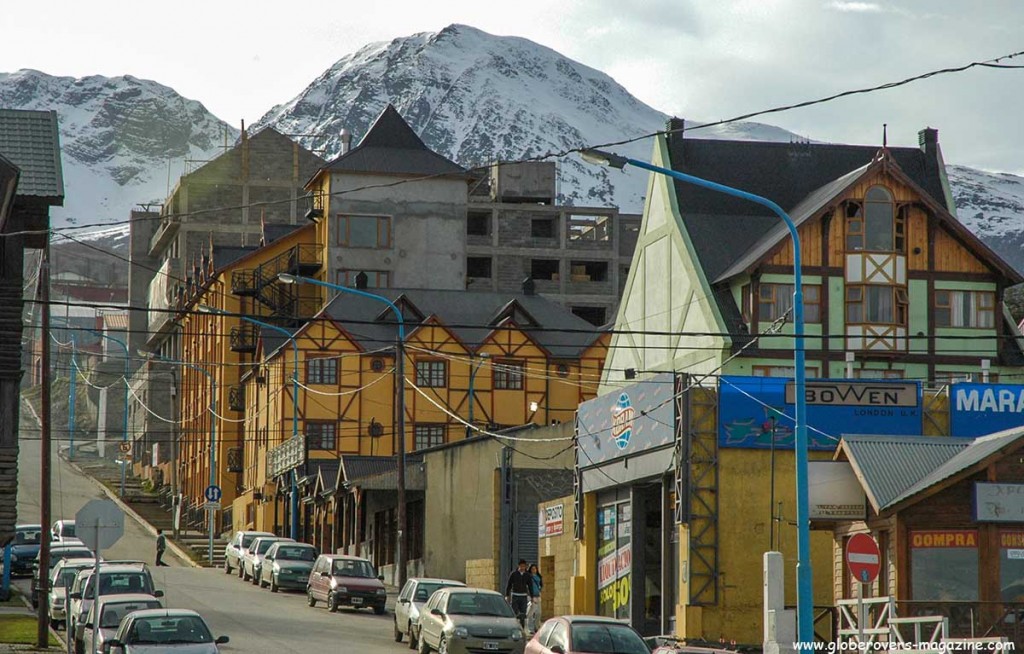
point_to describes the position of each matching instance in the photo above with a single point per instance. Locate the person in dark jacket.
(161, 545)
(517, 591)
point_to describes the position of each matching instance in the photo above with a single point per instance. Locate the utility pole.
(403, 551)
(43, 625)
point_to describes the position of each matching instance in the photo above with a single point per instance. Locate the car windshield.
(171, 630)
(120, 583)
(607, 639)
(297, 553)
(247, 539)
(348, 568)
(67, 530)
(59, 555)
(113, 612)
(263, 546)
(66, 577)
(425, 589)
(26, 537)
(479, 604)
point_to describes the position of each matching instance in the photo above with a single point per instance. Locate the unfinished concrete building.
(515, 230)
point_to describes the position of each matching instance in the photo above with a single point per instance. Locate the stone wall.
(482, 573)
(557, 561)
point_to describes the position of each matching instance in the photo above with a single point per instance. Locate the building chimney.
(928, 139)
(362, 280)
(346, 140)
(529, 287)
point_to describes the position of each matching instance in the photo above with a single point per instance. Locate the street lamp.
(213, 426)
(399, 373)
(805, 603)
(295, 403)
(124, 418)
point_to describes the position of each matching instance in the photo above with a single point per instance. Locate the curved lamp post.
(295, 403)
(124, 418)
(805, 603)
(213, 426)
(399, 399)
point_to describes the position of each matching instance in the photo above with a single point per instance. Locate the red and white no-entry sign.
(863, 558)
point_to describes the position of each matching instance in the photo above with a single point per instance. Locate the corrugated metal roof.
(31, 141)
(976, 452)
(889, 465)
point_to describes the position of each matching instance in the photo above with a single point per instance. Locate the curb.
(171, 545)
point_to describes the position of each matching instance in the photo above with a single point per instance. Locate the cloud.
(856, 7)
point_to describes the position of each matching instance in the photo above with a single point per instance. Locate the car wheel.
(263, 584)
(442, 647)
(255, 577)
(332, 603)
(309, 597)
(245, 575)
(379, 610)
(273, 585)
(413, 640)
(398, 634)
(54, 624)
(422, 647)
(227, 567)
(241, 570)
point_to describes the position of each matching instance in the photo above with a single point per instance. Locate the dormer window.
(875, 225)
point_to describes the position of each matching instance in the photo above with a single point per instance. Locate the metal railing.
(243, 338)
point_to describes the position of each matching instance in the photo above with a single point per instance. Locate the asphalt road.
(255, 619)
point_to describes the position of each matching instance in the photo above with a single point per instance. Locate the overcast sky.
(702, 60)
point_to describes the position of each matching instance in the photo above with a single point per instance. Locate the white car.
(62, 578)
(238, 547)
(62, 530)
(115, 579)
(159, 631)
(112, 609)
(254, 556)
(414, 595)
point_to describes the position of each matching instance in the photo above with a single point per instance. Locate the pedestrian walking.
(161, 545)
(536, 582)
(517, 591)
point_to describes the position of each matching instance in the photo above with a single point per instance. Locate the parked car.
(62, 530)
(254, 556)
(287, 565)
(676, 645)
(115, 579)
(469, 620)
(24, 548)
(155, 631)
(340, 580)
(58, 554)
(111, 610)
(236, 549)
(586, 634)
(414, 595)
(61, 579)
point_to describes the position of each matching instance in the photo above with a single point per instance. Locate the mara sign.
(979, 409)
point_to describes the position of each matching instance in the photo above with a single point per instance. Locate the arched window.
(879, 220)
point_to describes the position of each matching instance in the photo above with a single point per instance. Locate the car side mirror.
(222, 640)
(87, 625)
(438, 612)
(158, 593)
(268, 558)
(75, 596)
(557, 649)
(404, 600)
(113, 642)
(380, 577)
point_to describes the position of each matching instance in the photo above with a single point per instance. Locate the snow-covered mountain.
(473, 96)
(122, 138)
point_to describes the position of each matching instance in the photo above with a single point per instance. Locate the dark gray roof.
(415, 479)
(31, 141)
(392, 147)
(355, 467)
(888, 465)
(976, 452)
(327, 468)
(225, 255)
(275, 231)
(470, 315)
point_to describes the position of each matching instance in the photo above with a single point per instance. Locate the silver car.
(414, 595)
(159, 631)
(237, 548)
(468, 621)
(60, 581)
(254, 556)
(111, 610)
(115, 579)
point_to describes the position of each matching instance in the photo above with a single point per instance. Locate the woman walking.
(536, 582)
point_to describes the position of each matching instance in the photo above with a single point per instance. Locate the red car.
(586, 634)
(673, 645)
(340, 580)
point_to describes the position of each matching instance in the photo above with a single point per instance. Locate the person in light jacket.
(536, 583)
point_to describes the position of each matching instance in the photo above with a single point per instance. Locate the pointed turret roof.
(391, 147)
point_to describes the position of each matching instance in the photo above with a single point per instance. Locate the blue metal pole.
(399, 403)
(124, 418)
(5, 585)
(804, 589)
(72, 399)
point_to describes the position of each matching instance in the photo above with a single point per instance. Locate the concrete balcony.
(162, 239)
(160, 297)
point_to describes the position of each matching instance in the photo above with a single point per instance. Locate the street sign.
(212, 506)
(99, 524)
(863, 558)
(212, 493)
(124, 447)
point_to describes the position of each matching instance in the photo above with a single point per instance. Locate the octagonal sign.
(99, 524)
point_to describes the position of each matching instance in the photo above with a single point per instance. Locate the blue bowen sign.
(979, 409)
(834, 407)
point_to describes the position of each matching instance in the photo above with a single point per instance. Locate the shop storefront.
(625, 461)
